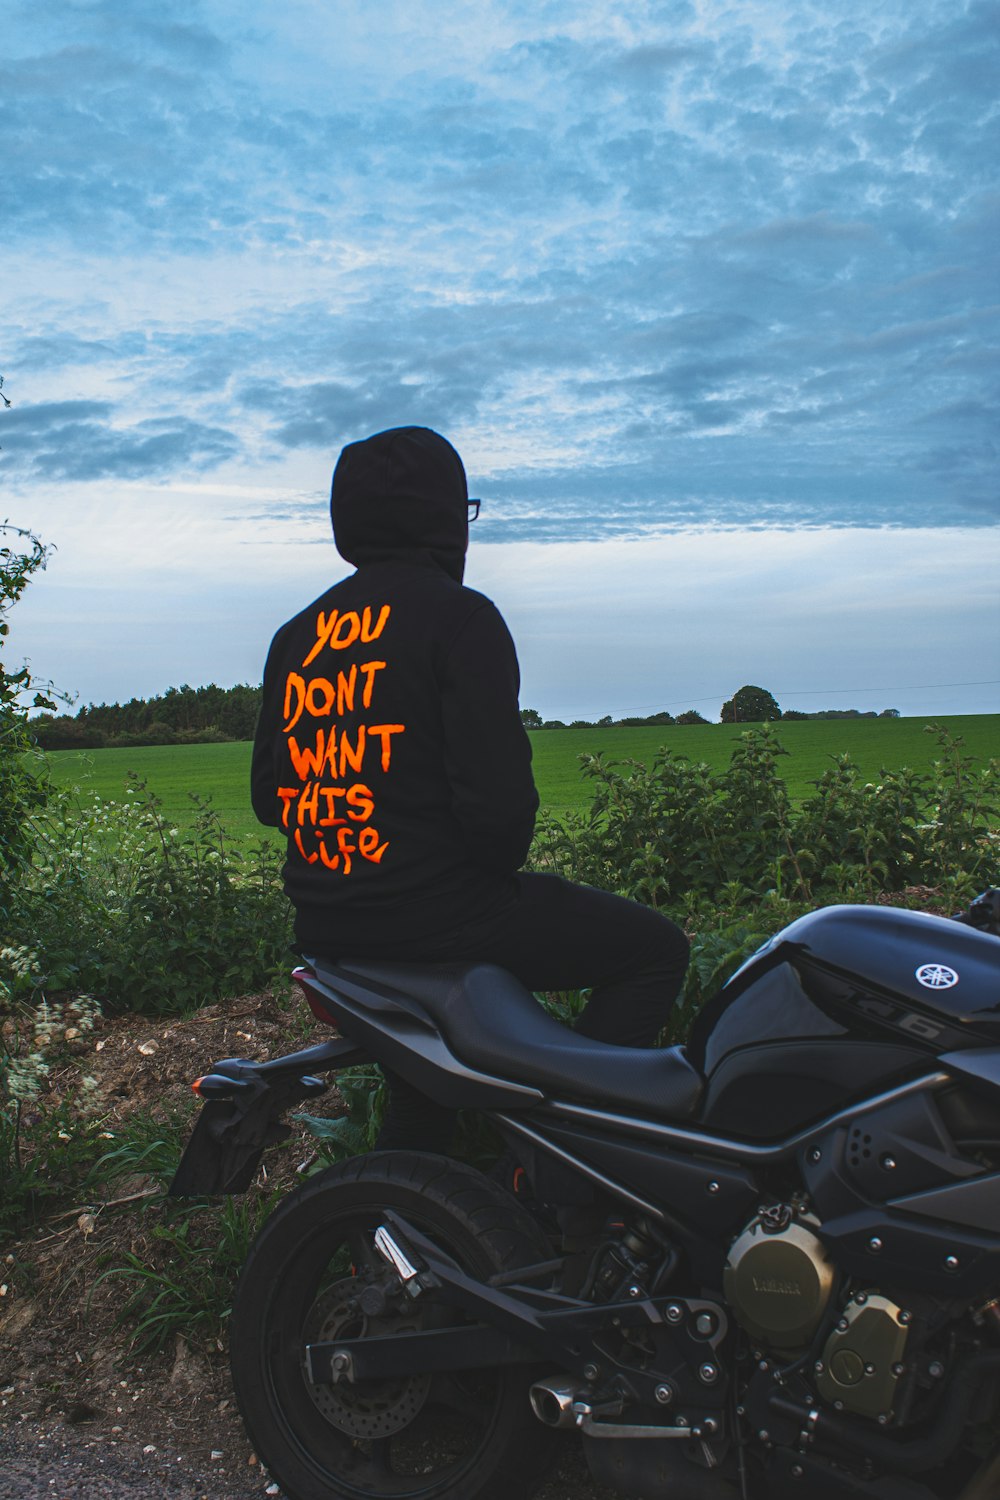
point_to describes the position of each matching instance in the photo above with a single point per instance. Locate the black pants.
(557, 936)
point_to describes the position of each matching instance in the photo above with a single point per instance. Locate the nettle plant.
(151, 917)
(35, 1026)
(24, 785)
(733, 858)
(676, 833)
(35, 1032)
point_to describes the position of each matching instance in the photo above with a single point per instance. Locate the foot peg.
(561, 1403)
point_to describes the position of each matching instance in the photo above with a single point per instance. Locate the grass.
(223, 771)
(873, 744)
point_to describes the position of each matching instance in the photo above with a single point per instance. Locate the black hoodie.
(390, 745)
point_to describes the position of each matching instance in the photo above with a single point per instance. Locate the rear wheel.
(467, 1435)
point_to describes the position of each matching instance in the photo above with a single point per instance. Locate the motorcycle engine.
(863, 1358)
(778, 1279)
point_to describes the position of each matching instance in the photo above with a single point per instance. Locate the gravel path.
(38, 1463)
(41, 1462)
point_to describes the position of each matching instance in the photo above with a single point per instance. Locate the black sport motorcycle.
(766, 1265)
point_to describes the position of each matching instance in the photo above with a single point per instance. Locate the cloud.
(817, 229)
(649, 61)
(609, 626)
(76, 440)
(741, 260)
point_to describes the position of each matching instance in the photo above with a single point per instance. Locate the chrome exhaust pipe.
(552, 1402)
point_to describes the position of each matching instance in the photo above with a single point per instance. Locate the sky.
(705, 292)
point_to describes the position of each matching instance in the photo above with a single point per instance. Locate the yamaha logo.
(776, 1286)
(936, 976)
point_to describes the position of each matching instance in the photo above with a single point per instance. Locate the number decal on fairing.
(920, 1026)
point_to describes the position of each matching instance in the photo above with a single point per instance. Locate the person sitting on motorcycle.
(391, 751)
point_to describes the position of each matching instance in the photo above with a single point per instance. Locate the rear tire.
(470, 1435)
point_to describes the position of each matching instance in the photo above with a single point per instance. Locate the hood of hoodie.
(401, 493)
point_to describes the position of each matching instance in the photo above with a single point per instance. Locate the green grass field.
(222, 771)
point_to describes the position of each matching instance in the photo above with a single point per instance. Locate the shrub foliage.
(120, 904)
(180, 716)
(731, 856)
(679, 835)
(147, 916)
(23, 781)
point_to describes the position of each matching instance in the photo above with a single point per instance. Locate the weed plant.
(150, 917)
(730, 855)
(680, 834)
(185, 1281)
(158, 919)
(185, 1257)
(363, 1092)
(144, 1146)
(46, 1148)
(364, 1096)
(43, 1144)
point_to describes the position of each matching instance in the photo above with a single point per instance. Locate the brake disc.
(372, 1408)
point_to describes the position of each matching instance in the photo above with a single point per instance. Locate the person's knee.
(680, 945)
(669, 947)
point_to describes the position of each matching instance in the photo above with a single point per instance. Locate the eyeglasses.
(473, 508)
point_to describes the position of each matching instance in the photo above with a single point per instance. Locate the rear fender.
(244, 1105)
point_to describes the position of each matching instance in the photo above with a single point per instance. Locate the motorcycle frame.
(683, 1183)
(246, 1102)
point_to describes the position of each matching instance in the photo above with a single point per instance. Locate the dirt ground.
(73, 1390)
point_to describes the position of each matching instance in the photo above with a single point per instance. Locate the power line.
(912, 687)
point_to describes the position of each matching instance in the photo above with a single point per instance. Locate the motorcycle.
(766, 1264)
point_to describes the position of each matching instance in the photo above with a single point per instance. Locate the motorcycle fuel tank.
(946, 969)
(840, 1002)
(844, 957)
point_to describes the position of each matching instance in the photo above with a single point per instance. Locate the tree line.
(187, 715)
(532, 719)
(180, 716)
(748, 705)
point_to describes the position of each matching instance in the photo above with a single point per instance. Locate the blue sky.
(705, 293)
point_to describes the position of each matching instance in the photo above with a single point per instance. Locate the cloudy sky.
(705, 293)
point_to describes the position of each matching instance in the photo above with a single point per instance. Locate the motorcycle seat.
(494, 1024)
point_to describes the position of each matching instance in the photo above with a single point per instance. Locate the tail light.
(306, 979)
(219, 1086)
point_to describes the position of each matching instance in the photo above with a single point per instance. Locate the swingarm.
(647, 1352)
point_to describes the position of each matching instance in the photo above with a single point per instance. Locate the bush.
(146, 916)
(45, 1151)
(184, 1280)
(679, 833)
(64, 733)
(29, 1029)
(23, 780)
(729, 855)
(41, 1150)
